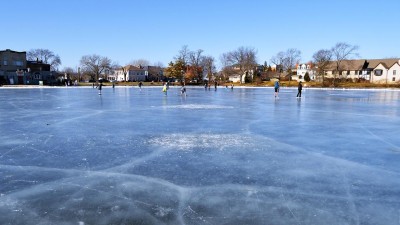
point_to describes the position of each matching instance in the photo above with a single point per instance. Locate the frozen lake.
(70, 156)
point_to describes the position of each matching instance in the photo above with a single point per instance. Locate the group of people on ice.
(183, 88)
(277, 87)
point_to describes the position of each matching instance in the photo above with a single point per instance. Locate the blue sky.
(126, 30)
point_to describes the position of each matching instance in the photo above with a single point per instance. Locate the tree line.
(195, 65)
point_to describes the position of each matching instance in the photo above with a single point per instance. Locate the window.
(5, 61)
(18, 63)
(394, 79)
(394, 72)
(37, 76)
(378, 72)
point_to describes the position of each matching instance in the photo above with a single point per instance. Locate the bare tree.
(140, 62)
(158, 64)
(46, 56)
(342, 51)
(293, 57)
(285, 61)
(243, 59)
(208, 64)
(183, 55)
(69, 72)
(95, 65)
(279, 61)
(195, 59)
(322, 60)
(227, 69)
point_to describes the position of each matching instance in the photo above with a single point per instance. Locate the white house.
(384, 73)
(373, 70)
(302, 69)
(236, 78)
(129, 73)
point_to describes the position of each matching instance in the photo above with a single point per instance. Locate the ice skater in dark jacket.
(300, 87)
(99, 88)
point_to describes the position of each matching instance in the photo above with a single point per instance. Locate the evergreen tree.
(307, 77)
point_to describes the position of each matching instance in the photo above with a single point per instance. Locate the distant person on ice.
(140, 85)
(100, 87)
(277, 88)
(165, 89)
(299, 88)
(183, 90)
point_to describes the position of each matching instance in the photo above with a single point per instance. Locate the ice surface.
(70, 156)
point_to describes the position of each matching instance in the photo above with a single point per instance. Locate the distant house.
(373, 70)
(302, 70)
(37, 71)
(154, 73)
(129, 73)
(386, 72)
(15, 69)
(12, 67)
(235, 74)
(236, 78)
(277, 72)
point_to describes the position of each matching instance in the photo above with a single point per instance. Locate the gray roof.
(363, 64)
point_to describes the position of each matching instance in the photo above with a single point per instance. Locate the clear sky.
(156, 30)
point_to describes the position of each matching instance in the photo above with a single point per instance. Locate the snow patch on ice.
(196, 106)
(180, 141)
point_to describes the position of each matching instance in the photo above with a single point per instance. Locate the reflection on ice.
(260, 162)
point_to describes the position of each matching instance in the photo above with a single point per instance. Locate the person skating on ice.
(100, 87)
(299, 88)
(276, 86)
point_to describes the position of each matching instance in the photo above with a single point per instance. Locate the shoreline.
(222, 85)
(200, 87)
